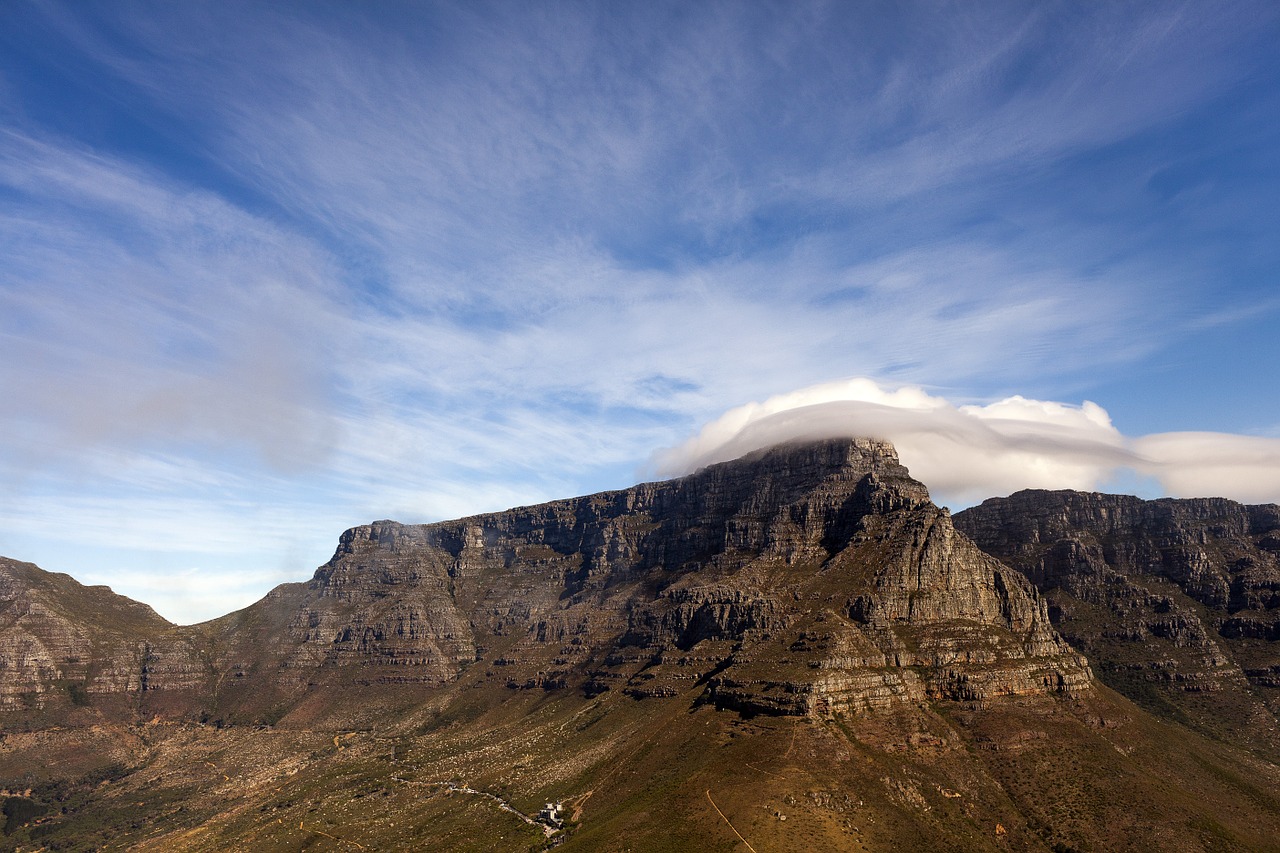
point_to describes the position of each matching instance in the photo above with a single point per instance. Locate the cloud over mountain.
(968, 452)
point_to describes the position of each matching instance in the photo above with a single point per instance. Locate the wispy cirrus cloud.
(420, 261)
(529, 124)
(140, 311)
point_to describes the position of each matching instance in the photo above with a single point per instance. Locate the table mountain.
(799, 580)
(792, 650)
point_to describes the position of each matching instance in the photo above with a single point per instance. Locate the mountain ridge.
(711, 560)
(797, 633)
(1176, 600)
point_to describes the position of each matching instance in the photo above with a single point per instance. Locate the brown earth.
(795, 650)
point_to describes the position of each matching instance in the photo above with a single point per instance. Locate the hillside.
(794, 650)
(1175, 602)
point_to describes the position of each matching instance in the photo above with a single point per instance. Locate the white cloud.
(446, 261)
(137, 310)
(1243, 467)
(969, 452)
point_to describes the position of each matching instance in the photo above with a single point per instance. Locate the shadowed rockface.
(1176, 602)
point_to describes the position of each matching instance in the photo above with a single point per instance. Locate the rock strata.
(1176, 601)
(69, 645)
(805, 579)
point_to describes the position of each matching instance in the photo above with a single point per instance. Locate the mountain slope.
(1176, 602)
(794, 650)
(68, 645)
(800, 580)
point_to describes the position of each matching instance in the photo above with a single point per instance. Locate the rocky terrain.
(796, 649)
(66, 646)
(804, 580)
(1175, 602)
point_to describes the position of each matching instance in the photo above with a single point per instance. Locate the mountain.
(1175, 602)
(809, 581)
(726, 577)
(796, 649)
(64, 645)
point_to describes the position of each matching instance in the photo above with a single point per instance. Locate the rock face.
(63, 643)
(796, 634)
(805, 579)
(801, 580)
(1177, 602)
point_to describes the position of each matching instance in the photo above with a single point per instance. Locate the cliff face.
(63, 643)
(1177, 602)
(801, 580)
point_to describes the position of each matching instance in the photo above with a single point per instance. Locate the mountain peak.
(804, 612)
(855, 452)
(811, 463)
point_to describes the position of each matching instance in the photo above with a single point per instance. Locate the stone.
(806, 579)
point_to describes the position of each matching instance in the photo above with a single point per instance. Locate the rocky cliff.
(69, 645)
(1176, 602)
(792, 651)
(800, 580)
(805, 579)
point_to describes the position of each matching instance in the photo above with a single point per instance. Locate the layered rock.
(1176, 601)
(713, 581)
(809, 578)
(65, 644)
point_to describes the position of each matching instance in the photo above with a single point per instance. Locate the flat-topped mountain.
(793, 650)
(804, 579)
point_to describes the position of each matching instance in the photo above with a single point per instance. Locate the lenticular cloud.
(966, 453)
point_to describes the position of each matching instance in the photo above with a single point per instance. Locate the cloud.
(575, 200)
(439, 259)
(138, 310)
(633, 128)
(965, 453)
(1243, 467)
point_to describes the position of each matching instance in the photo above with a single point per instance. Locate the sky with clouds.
(270, 270)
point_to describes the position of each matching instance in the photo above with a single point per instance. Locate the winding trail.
(547, 829)
(315, 831)
(577, 808)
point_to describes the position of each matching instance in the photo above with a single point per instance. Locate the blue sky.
(270, 270)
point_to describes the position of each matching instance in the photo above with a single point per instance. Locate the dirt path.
(794, 729)
(577, 806)
(547, 829)
(726, 820)
(315, 831)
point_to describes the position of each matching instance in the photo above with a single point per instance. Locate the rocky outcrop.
(923, 614)
(805, 579)
(1177, 602)
(63, 644)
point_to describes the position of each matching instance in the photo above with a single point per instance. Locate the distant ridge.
(1176, 601)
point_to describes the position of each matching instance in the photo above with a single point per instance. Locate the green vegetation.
(20, 810)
